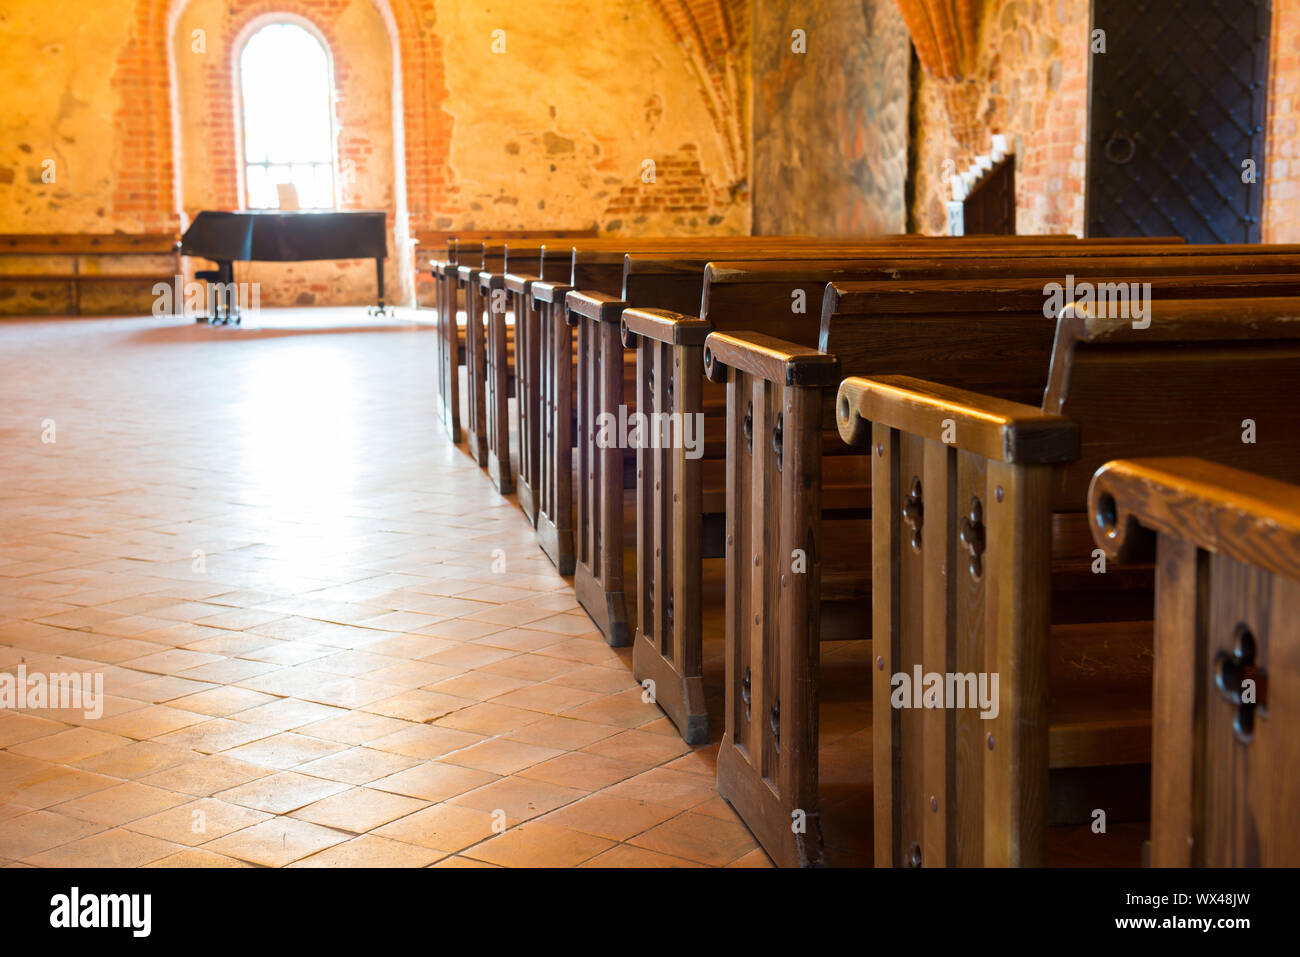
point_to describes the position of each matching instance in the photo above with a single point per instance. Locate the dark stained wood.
(72, 244)
(1247, 516)
(1072, 718)
(1223, 793)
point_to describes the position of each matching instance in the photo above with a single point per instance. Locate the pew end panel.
(475, 423)
(527, 391)
(598, 550)
(961, 552)
(448, 351)
(499, 347)
(667, 647)
(767, 765)
(1224, 788)
(556, 384)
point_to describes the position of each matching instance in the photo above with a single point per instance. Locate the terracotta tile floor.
(264, 542)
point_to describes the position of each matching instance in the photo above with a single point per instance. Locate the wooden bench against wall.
(1227, 653)
(116, 271)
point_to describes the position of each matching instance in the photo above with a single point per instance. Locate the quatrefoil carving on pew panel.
(778, 440)
(914, 512)
(1238, 678)
(971, 535)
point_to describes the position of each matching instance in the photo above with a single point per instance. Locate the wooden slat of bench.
(88, 277)
(68, 244)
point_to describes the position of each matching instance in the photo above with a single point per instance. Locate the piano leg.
(219, 282)
(381, 309)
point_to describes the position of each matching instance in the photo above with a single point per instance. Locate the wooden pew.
(443, 252)
(963, 541)
(532, 312)
(668, 277)
(489, 345)
(681, 502)
(432, 244)
(790, 371)
(594, 267)
(489, 398)
(1224, 752)
(79, 260)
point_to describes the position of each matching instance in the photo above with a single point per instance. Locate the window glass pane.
(261, 194)
(314, 185)
(324, 186)
(284, 77)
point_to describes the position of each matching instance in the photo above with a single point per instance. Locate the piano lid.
(273, 235)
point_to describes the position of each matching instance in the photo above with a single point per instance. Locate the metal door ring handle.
(1122, 141)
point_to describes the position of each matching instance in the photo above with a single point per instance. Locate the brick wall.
(710, 33)
(1280, 172)
(1027, 79)
(553, 134)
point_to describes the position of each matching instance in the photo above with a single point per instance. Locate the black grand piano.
(274, 235)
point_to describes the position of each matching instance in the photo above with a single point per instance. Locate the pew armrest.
(519, 282)
(671, 328)
(767, 357)
(1218, 508)
(545, 291)
(592, 305)
(996, 429)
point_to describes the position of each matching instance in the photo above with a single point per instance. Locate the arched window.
(284, 81)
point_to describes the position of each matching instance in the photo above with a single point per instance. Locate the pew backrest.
(1211, 379)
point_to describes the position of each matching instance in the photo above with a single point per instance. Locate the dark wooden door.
(1178, 105)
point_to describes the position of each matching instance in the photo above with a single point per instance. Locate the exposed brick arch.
(714, 34)
(944, 32)
(244, 17)
(147, 185)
